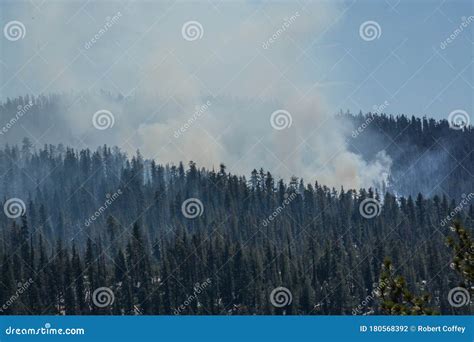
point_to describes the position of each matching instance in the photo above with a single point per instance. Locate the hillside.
(79, 220)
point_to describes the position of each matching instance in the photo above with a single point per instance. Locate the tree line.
(150, 254)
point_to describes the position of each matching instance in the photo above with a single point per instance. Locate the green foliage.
(463, 249)
(396, 298)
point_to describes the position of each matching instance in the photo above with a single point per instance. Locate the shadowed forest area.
(95, 219)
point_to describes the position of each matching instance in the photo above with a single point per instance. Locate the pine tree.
(396, 298)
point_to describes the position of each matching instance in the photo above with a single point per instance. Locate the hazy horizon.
(248, 84)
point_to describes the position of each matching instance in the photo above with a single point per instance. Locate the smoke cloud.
(208, 99)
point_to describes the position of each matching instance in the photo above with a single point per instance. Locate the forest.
(99, 232)
(429, 157)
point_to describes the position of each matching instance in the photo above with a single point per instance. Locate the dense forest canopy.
(427, 155)
(167, 239)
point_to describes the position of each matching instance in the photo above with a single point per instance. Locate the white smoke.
(165, 78)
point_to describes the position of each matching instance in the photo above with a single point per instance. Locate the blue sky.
(405, 66)
(412, 72)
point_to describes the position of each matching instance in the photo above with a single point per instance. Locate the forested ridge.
(428, 155)
(95, 219)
